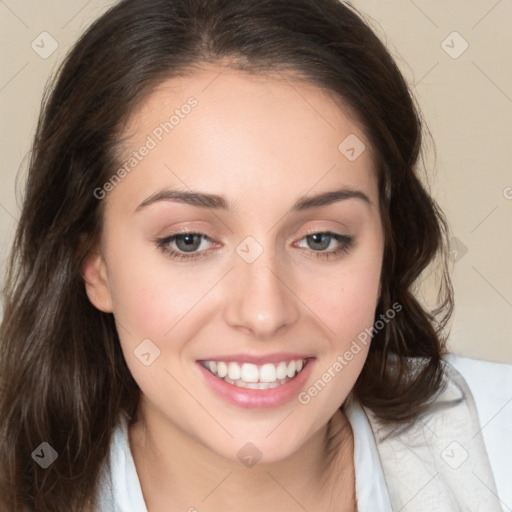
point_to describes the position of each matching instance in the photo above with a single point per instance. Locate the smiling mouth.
(252, 376)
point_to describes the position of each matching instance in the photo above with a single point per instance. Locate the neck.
(177, 472)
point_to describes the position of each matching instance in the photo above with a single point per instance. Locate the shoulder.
(490, 384)
(457, 454)
(472, 368)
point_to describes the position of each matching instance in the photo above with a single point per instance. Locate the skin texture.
(262, 142)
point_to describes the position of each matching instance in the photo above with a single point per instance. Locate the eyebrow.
(219, 202)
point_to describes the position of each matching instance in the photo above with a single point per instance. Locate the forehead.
(253, 131)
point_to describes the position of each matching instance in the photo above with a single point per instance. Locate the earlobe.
(97, 286)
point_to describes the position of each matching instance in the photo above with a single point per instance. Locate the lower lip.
(257, 398)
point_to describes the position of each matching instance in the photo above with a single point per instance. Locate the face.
(244, 272)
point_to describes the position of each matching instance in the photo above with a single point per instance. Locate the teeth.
(251, 376)
(249, 372)
(291, 369)
(253, 385)
(281, 370)
(222, 369)
(233, 371)
(268, 373)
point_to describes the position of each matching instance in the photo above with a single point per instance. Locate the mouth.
(253, 376)
(256, 383)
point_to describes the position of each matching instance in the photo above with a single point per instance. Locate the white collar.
(371, 489)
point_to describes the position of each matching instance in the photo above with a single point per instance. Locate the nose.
(261, 300)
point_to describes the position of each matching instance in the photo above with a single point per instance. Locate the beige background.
(467, 104)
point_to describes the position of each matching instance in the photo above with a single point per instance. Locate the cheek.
(346, 301)
(149, 297)
(348, 309)
(358, 302)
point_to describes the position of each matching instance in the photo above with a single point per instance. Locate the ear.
(97, 286)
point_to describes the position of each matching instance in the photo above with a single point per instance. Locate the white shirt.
(438, 473)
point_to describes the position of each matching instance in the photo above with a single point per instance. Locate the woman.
(209, 303)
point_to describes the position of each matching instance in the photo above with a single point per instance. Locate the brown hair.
(63, 378)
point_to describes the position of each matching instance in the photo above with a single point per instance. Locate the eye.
(320, 241)
(187, 244)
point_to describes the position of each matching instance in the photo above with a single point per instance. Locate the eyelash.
(347, 243)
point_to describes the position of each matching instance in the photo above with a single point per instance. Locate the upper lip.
(258, 359)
